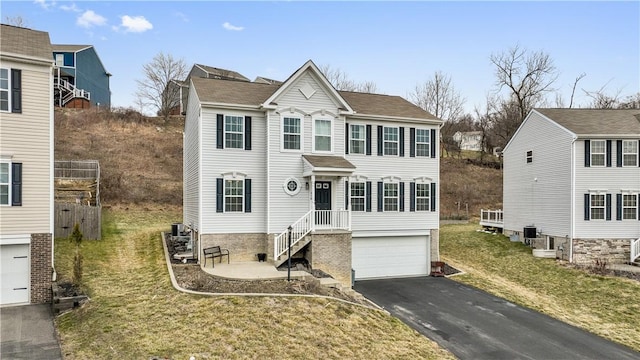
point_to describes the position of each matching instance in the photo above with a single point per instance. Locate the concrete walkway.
(28, 333)
(250, 270)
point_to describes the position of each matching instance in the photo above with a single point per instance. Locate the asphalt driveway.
(473, 324)
(28, 333)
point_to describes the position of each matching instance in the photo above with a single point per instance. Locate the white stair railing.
(635, 249)
(70, 92)
(491, 217)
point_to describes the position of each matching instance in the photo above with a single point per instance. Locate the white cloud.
(45, 4)
(135, 24)
(71, 7)
(230, 27)
(89, 19)
(182, 16)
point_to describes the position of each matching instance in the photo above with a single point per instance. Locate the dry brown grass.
(135, 313)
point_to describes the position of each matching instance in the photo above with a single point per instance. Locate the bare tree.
(630, 102)
(573, 89)
(341, 81)
(439, 97)
(527, 75)
(601, 100)
(16, 21)
(155, 90)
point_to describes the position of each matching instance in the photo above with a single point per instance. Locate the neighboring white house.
(356, 175)
(26, 166)
(574, 175)
(468, 140)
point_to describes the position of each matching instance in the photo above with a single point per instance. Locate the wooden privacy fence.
(87, 217)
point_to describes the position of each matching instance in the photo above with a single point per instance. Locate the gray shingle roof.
(596, 121)
(69, 47)
(252, 93)
(214, 71)
(328, 161)
(27, 42)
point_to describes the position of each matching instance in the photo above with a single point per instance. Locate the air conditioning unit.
(530, 232)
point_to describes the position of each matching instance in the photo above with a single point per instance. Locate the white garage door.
(378, 257)
(14, 274)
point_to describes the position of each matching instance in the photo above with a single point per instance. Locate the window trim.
(314, 119)
(225, 195)
(635, 208)
(363, 140)
(384, 141)
(363, 197)
(385, 197)
(428, 143)
(636, 154)
(592, 207)
(292, 115)
(428, 197)
(8, 89)
(603, 153)
(9, 182)
(226, 132)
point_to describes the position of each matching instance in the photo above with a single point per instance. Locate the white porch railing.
(491, 218)
(635, 249)
(311, 221)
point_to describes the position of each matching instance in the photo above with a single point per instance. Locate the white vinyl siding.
(422, 142)
(598, 152)
(27, 138)
(191, 163)
(629, 153)
(358, 196)
(4, 89)
(233, 132)
(390, 140)
(357, 139)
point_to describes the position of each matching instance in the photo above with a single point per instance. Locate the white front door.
(14, 274)
(379, 257)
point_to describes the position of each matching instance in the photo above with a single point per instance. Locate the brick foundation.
(41, 268)
(331, 253)
(614, 251)
(242, 247)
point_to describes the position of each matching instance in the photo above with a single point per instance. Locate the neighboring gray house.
(574, 176)
(26, 166)
(356, 175)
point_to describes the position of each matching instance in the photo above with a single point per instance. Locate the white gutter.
(572, 229)
(396, 118)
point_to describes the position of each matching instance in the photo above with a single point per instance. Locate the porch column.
(312, 189)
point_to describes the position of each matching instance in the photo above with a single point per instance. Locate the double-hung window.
(598, 152)
(322, 137)
(358, 196)
(629, 206)
(292, 133)
(233, 132)
(390, 197)
(597, 206)
(390, 140)
(629, 153)
(233, 195)
(5, 183)
(422, 197)
(4, 89)
(422, 142)
(357, 141)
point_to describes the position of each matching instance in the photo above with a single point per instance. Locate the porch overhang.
(326, 165)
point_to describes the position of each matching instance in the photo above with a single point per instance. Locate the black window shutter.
(618, 206)
(433, 196)
(219, 195)
(587, 214)
(346, 195)
(346, 138)
(412, 142)
(619, 153)
(608, 206)
(247, 132)
(608, 153)
(433, 141)
(401, 196)
(587, 155)
(220, 131)
(380, 207)
(368, 196)
(412, 196)
(247, 195)
(368, 144)
(379, 140)
(16, 184)
(16, 90)
(401, 138)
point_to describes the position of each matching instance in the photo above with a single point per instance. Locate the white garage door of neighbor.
(14, 274)
(378, 257)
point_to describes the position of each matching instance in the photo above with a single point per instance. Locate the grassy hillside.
(141, 162)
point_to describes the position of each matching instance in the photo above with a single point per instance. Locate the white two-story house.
(573, 175)
(355, 175)
(26, 166)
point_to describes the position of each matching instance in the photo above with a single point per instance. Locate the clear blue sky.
(397, 45)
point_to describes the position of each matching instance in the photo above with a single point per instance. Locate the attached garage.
(14, 274)
(380, 257)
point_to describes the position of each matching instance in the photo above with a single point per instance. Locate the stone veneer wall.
(331, 253)
(434, 239)
(242, 247)
(41, 268)
(614, 251)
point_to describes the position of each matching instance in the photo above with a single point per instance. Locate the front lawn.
(135, 313)
(606, 306)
